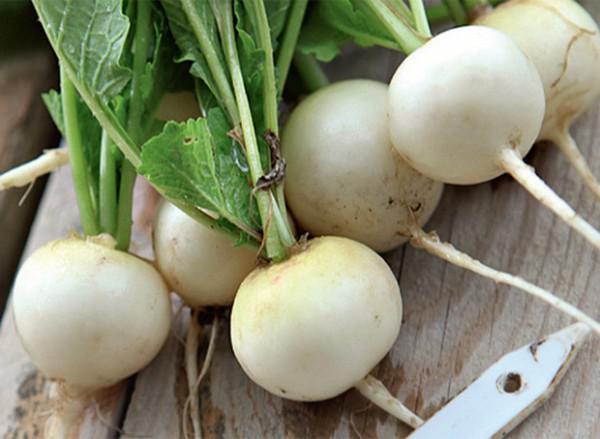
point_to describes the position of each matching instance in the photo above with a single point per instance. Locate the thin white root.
(70, 405)
(192, 400)
(431, 242)
(27, 173)
(191, 369)
(374, 390)
(512, 163)
(569, 148)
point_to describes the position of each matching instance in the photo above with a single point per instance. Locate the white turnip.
(200, 264)
(88, 316)
(563, 42)
(315, 325)
(466, 107)
(343, 175)
(323, 162)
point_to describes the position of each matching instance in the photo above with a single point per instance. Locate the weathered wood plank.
(25, 130)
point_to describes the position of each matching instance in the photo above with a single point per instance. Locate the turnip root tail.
(69, 405)
(194, 378)
(431, 242)
(27, 173)
(374, 390)
(569, 148)
(191, 370)
(512, 163)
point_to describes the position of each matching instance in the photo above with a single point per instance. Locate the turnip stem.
(418, 9)
(310, 71)
(403, 33)
(287, 47)
(69, 407)
(456, 11)
(569, 148)
(274, 247)
(431, 242)
(512, 163)
(108, 186)
(374, 390)
(79, 167)
(191, 371)
(212, 59)
(270, 107)
(28, 172)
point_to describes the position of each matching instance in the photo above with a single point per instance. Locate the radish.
(466, 107)
(205, 268)
(88, 316)
(343, 175)
(315, 325)
(337, 147)
(202, 265)
(563, 42)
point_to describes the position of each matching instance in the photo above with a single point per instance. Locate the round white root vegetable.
(89, 316)
(202, 265)
(563, 42)
(315, 325)
(343, 176)
(466, 107)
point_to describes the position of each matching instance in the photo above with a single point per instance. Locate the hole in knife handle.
(510, 383)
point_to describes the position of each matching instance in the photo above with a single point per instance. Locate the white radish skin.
(28, 172)
(89, 315)
(315, 325)
(563, 42)
(202, 265)
(458, 100)
(343, 176)
(466, 107)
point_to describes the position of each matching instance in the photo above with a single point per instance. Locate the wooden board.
(455, 324)
(25, 130)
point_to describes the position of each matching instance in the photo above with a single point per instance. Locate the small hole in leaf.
(511, 383)
(188, 140)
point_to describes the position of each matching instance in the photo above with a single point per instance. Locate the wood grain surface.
(455, 324)
(25, 130)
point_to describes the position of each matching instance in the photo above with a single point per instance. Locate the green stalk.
(310, 71)
(288, 42)
(437, 13)
(270, 107)
(457, 12)
(401, 7)
(212, 59)
(108, 186)
(136, 109)
(273, 244)
(105, 116)
(418, 9)
(404, 35)
(89, 220)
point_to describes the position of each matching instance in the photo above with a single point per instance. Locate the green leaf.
(186, 40)
(197, 164)
(333, 23)
(90, 36)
